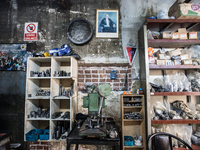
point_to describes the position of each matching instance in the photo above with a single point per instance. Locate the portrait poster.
(12, 57)
(107, 23)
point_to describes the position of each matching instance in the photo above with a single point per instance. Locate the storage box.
(169, 62)
(177, 62)
(175, 35)
(184, 11)
(166, 35)
(161, 56)
(192, 35)
(182, 33)
(175, 52)
(187, 62)
(33, 135)
(184, 56)
(44, 135)
(168, 57)
(160, 62)
(128, 141)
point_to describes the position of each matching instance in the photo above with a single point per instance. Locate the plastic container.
(44, 135)
(113, 74)
(128, 141)
(33, 135)
(141, 91)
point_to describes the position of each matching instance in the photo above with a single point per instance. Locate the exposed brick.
(88, 76)
(33, 147)
(40, 147)
(108, 71)
(80, 71)
(103, 76)
(87, 71)
(121, 76)
(94, 76)
(122, 80)
(129, 70)
(129, 81)
(116, 88)
(129, 75)
(80, 76)
(80, 80)
(102, 80)
(121, 84)
(94, 80)
(101, 71)
(129, 66)
(81, 84)
(130, 84)
(116, 84)
(116, 80)
(108, 76)
(122, 71)
(108, 80)
(94, 71)
(88, 80)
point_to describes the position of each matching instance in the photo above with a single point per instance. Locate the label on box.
(160, 62)
(175, 36)
(184, 56)
(177, 62)
(183, 35)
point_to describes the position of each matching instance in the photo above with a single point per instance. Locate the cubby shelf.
(53, 102)
(132, 127)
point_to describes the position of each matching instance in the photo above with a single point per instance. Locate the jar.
(141, 91)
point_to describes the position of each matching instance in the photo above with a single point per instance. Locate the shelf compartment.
(36, 124)
(60, 105)
(174, 93)
(66, 83)
(173, 67)
(68, 64)
(61, 97)
(132, 107)
(156, 43)
(132, 120)
(38, 119)
(54, 123)
(32, 105)
(134, 147)
(38, 64)
(36, 84)
(176, 121)
(39, 97)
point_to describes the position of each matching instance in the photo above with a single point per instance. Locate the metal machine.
(94, 125)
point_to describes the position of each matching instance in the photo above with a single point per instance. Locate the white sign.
(30, 31)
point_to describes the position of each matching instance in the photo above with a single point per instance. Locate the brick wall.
(100, 73)
(39, 145)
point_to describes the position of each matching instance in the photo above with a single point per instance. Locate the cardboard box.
(175, 35)
(169, 62)
(187, 62)
(160, 62)
(184, 11)
(168, 57)
(192, 35)
(175, 52)
(152, 60)
(177, 62)
(161, 56)
(166, 35)
(182, 33)
(184, 56)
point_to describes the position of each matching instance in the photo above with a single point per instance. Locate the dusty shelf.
(176, 121)
(173, 67)
(174, 93)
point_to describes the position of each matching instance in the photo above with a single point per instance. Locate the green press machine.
(94, 125)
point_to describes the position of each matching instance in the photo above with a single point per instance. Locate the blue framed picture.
(107, 23)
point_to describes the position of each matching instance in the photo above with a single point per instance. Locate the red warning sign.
(30, 31)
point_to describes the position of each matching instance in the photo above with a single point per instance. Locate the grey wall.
(53, 16)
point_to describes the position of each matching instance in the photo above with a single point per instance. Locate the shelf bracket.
(188, 99)
(166, 27)
(191, 26)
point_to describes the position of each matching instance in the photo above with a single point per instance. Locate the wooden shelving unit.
(148, 70)
(54, 102)
(131, 127)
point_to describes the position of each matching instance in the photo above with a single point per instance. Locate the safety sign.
(30, 31)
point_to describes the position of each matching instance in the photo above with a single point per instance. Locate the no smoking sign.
(30, 31)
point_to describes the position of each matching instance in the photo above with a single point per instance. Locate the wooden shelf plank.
(65, 77)
(39, 77)
(134, 146)
(39, 97)
(132, 101)
(176, 121)
(194, 147)
(127, 107)
(132, 120)
(42, 119)
(174, 67)
(61, 97)
(173, 43)
(174, 93)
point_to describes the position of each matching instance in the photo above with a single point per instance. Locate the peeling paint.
(78, 12)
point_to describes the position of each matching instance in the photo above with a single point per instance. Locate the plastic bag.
(149, 34)
(162, 14)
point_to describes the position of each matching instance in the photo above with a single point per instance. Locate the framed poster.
(107, 23)
(12, 57)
